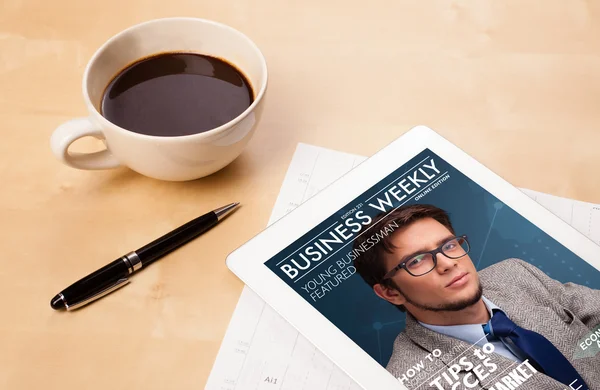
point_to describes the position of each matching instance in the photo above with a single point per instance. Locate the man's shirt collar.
(470, 333)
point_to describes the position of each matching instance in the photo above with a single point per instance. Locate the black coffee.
(175, 94)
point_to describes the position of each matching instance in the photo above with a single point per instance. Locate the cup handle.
(69, 132)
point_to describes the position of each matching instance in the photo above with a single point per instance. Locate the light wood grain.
(516, 84)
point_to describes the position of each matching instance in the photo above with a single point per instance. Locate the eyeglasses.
(423, 263)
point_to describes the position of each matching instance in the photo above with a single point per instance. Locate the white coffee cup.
(174, 158)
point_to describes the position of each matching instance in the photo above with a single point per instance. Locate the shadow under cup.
(183, 157)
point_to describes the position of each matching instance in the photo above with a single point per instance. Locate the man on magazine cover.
(506, 326)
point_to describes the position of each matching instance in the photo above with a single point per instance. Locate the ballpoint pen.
(115, 274)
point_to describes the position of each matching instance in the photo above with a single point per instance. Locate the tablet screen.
(447, 287)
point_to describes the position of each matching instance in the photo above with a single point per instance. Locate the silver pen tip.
(222, 212)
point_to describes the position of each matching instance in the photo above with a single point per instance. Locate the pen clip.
(118, 283)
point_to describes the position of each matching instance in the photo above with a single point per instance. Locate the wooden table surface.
(516, 84)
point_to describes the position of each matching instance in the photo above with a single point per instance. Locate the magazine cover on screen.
(449, 288)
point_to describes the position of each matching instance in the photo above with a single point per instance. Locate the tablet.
(410, 271)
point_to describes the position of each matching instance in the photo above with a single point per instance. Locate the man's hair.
(370, 264)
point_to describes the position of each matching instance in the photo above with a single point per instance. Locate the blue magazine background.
(495, 231)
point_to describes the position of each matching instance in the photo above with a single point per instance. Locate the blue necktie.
(542, 354)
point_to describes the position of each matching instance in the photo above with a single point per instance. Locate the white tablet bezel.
(247, 262)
